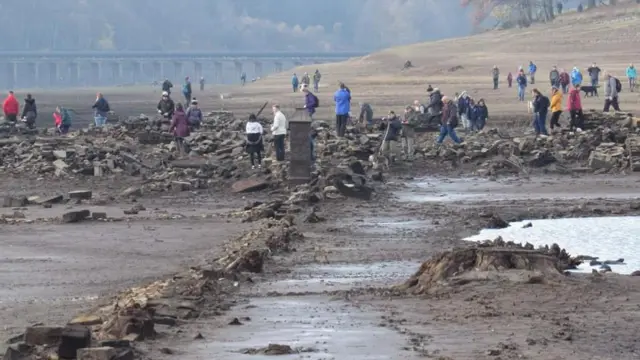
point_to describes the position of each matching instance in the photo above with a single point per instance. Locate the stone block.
(60, 165)
(73, 339)
(42, 335)
(181, 185)
(55, 199)
(96, 215)
(15, 201)
(80, 194)
(60, 154)
(124, 354)
(75, 216)
(97, 171)
(249, 185)
(86, 320)
(98, 353)
(132, 191)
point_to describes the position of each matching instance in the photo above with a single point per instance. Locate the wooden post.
(300, 148)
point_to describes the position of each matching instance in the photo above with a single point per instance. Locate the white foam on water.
(608, 238)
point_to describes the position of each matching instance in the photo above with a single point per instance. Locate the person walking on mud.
(11, 107)
(342, 98)
(556, 108)
(166, 86)
(166, 106)
(496, 76)
(101, 110)
(611, 88)
(449, 121)
(316, 80)
(279, 131)
(202, 83)
(30, 112)
(180, 128)
(305, 79)
(255, 146)
(62, 120)
(540, 109)
(574, 105)
(594, 74)
(186, 90)
(509, 79)
(533, 68)
(521, 80)
(243, 78)
(295, 82)
(632, 75)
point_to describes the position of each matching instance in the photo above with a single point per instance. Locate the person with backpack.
(311, 101)
(540, 109)
(30, 111)
(632, 75)
(612, 87)
(449, 121)
(101, 109)
(574, 105)
(556, 107)
(521, 80)
(62, 119)
(186, 90)
(194, 114)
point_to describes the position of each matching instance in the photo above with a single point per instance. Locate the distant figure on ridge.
(496, 75)
(532, 72)
(202, 83)
(186, 90)
(594, 74)
(316, 80)
(295, 82)
(632, 75)
(305, 79)
(243, 78)
(30, 112)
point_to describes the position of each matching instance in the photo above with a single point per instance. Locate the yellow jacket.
(556, 101)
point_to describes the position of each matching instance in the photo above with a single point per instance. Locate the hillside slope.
(608, 36)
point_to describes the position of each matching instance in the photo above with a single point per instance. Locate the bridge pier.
(257, 68)
(157, 71)
(197, 69)
(54, 74)
(136, 72)
(32, 74)
(177, 71)
(116, 73)
(11, 74)
(278, 67)
(218, 70)
(297, 63)
(74, 74)
(96, 72)
(239, 70)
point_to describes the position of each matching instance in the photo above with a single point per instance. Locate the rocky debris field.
(608, 144)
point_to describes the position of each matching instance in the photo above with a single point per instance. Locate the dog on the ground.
(589, 90)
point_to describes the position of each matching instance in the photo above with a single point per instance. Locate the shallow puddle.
(319, 278)
(332, 329)
(608, 238)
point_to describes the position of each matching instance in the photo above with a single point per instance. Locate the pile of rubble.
(142, 147)
(608, 143)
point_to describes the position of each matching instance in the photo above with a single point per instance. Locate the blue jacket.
(343, 102)
(294, 81)
(632, 73)
(522, 80)
(576, 76)
(463, 105)
(533, 68)
(310, 102)
(478, 112)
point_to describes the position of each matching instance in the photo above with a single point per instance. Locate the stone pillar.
(297, 63)
(74, 74)
(257, 68)
(96, 75)
(219, 72)
(11, 74)
(197, 69)
(54, 74)
(278, 67)
(116, 73)
(32, 75)
(177, 71)
(300, 149)
(239, 70)
(136, 72)
(158, 73)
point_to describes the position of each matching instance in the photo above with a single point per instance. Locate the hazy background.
(232, 25)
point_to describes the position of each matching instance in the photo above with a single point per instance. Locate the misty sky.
(242, 25)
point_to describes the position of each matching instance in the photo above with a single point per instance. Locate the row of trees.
(523, 13)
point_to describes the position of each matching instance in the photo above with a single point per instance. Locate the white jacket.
(253, 128)
(279, 126)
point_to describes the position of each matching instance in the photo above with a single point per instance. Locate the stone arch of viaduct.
(75, 69)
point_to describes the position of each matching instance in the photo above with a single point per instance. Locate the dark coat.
(180, 124)
(167, 106)
(395, 127)
(30, 109)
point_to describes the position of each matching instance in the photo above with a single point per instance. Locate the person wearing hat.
(194, 114)
(556, 107)
(255, 146)
(166, 106)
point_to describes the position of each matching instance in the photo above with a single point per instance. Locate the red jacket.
(10, 106)
(57, 117)
(564, 78)
(574, 102)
